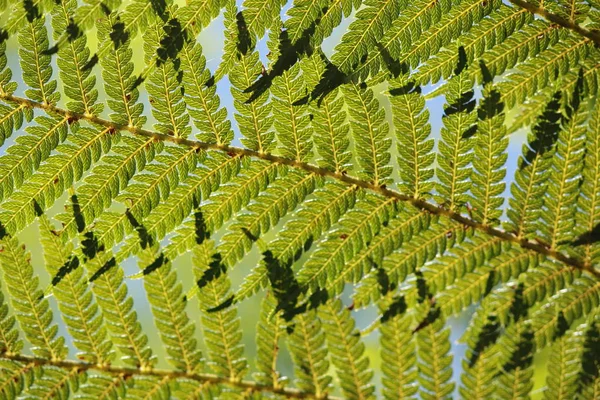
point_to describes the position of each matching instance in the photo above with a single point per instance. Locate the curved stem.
(417, 203)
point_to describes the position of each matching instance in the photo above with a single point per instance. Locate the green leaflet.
(32, 310)
(222, 329)
(347, 351)
(259, 14)
(270, 329)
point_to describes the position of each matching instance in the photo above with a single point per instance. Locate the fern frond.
(27, 12)
(58, 173)
(369, 130)
(222, 328)
(347, 351)
(281, 197)
(9, 336)
(414, 146)
(150, 388)
(170, 318)
(456, 144)
(140, 14)
(201, 98)
(490, 32)
(372, 20)
(533, 171)
(435, 364)
(304, 15)
(254, 119)
(260, 14)
(588, 200)
(217, 169)
(516, 358)
(15, 378)
(269, 332)
(490, 156)
(331, 136)
(309, 354)
(78, 83)
(291, 121)
(398, 353)
(108, 286)
(92, 10)
(197, 14)
(589, 384)
(315, 217)
(54, 383)
(355, 230)
(563, 366)
(534, 74)
(32, 310)
(223, 204)
(120, 84)
(103, 387)
(76, 302)
(562, 190)
(163, 86)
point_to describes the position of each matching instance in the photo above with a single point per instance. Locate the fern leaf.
(532, 175)
(78, 83)
(398, 355)
(291, 121)
(222, 328)
(32, 310)
(92, 10)
(347, 351)
(304, 15)
(563, 368)
(490, 32)
(269, 331)
(314, 218)
(455, 155)
(15, 378)
(107, 179)
(109, 288)
(490, 155)
(217, 169)
(224, 203)
(76, 302)
(555, 61)
(417, 18)
(589, 384)
(27, 12)
(561, 198)
(163, 86)
(415, 253)
(253, 119)
(264, 212)
(55, 383)
(197, 14)
(435, 364)
(59, 172)
(150, 388)
(119, 83)
(170, 318)
(516, 358)
(457, 20)
(332, 17)
(356, 229)
(37, 71)
(369, 130)
(392, 236)
(260, 14)
(415, 156)
(480, 363)
(140, 14)
(103, 387)
(309, 354)
(588, 200)
(9, 336)
(328, 115)
(11, 119)
(164, 175)
(372, 20)
(201, 98)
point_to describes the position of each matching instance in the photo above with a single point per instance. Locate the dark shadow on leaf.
(394, 66)
(490, 106)
(408, 88)
(422, 287)
(490, 283)
(160, 8)
(226, 304)
(518, 307)
(461, 65)
(32, 12)
(37, 209)
(146, 239)
(522, 357)
(156, 264)
(562, 325)
(77, 214)
(590, 362)
(397, 307)
(90, 246)
(318, 298)
(487, 76)
(586, 238)
(490, 332)
(244, 40)
(289, 54)
(91, 62)
(172, 43)
(3, 232)
(465, 103)
(3, 36)
(104, 269)
(70, 265)
(119, 35)
(215, 269)
(434, 313)
(201, 231)
(545, 131)
(331, 79)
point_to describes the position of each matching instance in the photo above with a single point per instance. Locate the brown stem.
(557, 19)
(125, 372)
(420, 204)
